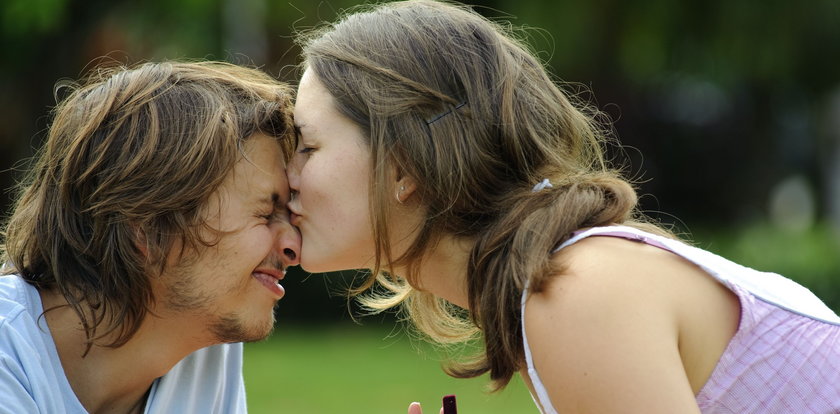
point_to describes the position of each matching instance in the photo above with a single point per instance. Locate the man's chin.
(229, 330)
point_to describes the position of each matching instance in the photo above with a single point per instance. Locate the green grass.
(347, 368)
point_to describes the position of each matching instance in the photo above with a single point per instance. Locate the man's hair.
(130, 159)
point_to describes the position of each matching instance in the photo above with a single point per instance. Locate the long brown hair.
(131, 157)
(461, 105)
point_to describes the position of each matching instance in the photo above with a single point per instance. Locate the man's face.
(231, 286)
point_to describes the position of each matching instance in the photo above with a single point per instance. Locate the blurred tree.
(718, 97)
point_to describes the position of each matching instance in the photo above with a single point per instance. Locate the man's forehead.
(259, 177)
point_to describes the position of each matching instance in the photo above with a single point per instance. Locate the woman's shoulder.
(607, 324)
(618, 278)
(615, 291)
(614, 264)
(611, 272)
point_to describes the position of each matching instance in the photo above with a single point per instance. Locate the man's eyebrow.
(272, 200)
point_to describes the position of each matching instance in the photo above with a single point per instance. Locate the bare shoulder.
(611, 272)
(608, 334)
(631, 274)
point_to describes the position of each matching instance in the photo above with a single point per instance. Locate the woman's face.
(330, 174)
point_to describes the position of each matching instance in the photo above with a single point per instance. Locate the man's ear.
(140, 241)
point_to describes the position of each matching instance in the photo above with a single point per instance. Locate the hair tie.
(542, 185)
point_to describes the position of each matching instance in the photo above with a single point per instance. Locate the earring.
(402, 188)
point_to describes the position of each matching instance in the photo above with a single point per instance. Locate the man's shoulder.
(20, 335)
(28, 376)
(14, 288)
(13, 298)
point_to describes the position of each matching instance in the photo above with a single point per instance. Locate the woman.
(435, 150)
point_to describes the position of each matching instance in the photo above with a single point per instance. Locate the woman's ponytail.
(516, 251)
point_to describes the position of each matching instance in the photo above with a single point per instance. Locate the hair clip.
(439, 116)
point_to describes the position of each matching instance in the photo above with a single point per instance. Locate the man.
(147, 243)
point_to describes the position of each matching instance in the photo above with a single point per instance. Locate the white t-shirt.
(33, 381)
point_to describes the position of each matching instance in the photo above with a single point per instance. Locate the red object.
(449, 406)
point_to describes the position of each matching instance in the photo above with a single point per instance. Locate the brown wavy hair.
(130, 158)
(460, 104)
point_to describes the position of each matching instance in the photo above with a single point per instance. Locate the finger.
(414, 408)
(441, 410)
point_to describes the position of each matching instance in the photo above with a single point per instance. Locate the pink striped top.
(784, 357)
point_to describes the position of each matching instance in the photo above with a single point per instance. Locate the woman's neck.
(444, 270)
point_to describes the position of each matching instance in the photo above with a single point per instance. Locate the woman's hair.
(456, 102)
(130, 160)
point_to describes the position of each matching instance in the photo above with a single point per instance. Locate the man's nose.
(288, 244)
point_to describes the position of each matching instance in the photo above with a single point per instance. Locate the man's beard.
(182, 296)
(230, 328)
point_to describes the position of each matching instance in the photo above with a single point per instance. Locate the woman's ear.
(405, 187)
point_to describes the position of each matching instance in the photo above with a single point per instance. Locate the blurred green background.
(729, 112)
